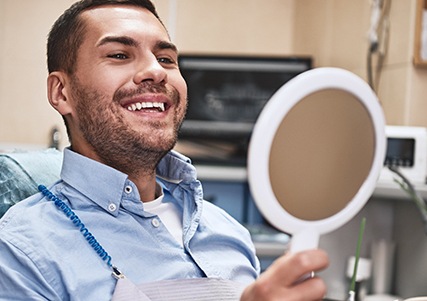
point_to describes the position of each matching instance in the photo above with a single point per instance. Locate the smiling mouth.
(159, 106)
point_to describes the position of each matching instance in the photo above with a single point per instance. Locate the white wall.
(25, 115)
(201, 26)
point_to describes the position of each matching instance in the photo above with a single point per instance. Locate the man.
(113, 76)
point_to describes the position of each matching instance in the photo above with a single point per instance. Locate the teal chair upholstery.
(22, 171)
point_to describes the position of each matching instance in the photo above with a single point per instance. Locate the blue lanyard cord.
(78, 223)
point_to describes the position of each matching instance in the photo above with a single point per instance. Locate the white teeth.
(146, 105)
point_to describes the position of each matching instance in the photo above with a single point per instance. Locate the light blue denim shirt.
(43, 256)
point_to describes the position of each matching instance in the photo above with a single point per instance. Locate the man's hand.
(280, 280)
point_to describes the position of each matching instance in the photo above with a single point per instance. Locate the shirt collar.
(176, 168)
(105, 185)
(102, 184)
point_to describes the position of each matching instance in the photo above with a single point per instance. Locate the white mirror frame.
(305, 234)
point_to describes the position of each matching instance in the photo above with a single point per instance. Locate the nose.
(149, 69)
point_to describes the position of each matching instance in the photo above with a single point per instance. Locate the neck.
(146, 186)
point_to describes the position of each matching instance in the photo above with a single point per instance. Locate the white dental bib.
(200, 289)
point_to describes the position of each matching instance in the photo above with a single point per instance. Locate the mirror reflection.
(312, 176)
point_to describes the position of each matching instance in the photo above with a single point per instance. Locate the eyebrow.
(166, 45)
(128, 41)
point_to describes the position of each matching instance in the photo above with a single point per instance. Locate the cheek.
(107, 81)
(178, 82)
(184, 101)
(182, 89)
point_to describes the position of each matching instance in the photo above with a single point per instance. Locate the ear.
(58, 92)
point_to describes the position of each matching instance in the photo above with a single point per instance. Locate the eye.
(118, 56)
(166, 60)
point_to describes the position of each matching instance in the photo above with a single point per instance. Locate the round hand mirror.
(315, 153)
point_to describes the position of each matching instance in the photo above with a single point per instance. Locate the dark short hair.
(68, 31)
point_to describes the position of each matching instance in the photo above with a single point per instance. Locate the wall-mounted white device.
(407, 149)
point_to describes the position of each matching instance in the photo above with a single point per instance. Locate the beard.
(114, 140)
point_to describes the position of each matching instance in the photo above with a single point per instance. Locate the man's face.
(128, 94)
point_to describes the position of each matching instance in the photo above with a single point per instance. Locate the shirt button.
(128, 189)
(155, 222)
(112, 207)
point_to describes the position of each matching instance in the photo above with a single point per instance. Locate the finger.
(311, 289)
(307, 262)
(292, 267)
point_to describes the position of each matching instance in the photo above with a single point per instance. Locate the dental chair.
(22, 171)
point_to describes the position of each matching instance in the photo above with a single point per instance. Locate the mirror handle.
(304, 240)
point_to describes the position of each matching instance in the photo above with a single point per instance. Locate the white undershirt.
(168, 214)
